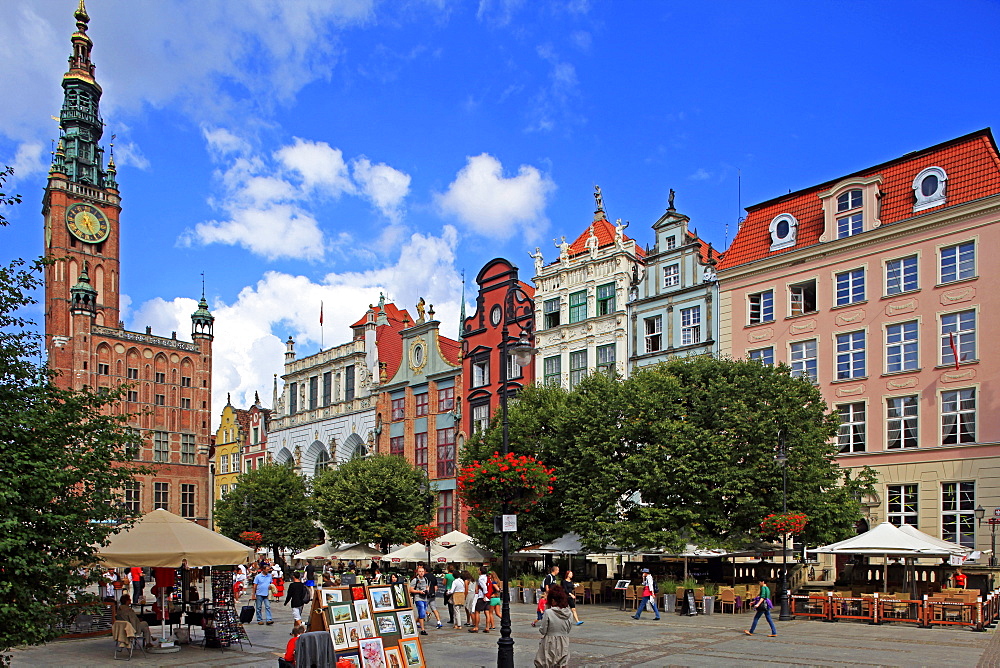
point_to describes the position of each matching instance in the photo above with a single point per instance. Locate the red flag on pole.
(954, 348)
(321, 312)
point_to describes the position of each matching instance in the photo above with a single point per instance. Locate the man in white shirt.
(648, 594)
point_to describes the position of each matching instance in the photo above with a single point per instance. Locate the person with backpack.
(648, 593)
(432, 586)
(547, 583)
(297, 596)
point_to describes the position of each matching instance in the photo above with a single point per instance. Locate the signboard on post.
(509, 523)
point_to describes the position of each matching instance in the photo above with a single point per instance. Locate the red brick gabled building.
(481, 340)
(170, 379)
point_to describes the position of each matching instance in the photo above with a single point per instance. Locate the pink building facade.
(878, 286)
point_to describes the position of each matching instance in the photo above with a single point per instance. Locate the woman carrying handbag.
(762, 604)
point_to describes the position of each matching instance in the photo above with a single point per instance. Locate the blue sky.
(332, 149)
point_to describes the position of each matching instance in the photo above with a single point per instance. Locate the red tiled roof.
(605, 232)
(388, 341)
(391, 312)
(450, 349)
(971, 162)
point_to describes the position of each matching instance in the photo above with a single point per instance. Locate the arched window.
(322, 463)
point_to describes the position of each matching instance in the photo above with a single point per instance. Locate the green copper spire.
(83, 294)
(202, 320)
(80, 117)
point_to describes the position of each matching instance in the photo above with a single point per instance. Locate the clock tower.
(167, 381)
(81, 207)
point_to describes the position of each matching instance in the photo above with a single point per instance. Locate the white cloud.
(383, 185)
(128, 153)
(496, 206)
(250, 332)
(700, 174)
(553, 102)
(269, 201)
(28, 160)
(318, 165)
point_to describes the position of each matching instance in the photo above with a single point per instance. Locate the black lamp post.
(519, 310)
(980, 514)
(782, 458)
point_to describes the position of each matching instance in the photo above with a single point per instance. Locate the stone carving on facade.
(901, 383)
(900, 306)
(563, 249)
(592, 243)
(850, 390)
(420, 311)
(850, 317)
(960, 295)
(598, 198)
(956, 376)
(802, 327)
(298, 456)
(758, 335)
(539, 260)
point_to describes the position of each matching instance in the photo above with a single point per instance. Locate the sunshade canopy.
(162, 539)
(343, 552)
(466, 553)
(453, 538)
(414, 552)
(887, 539)
(953, 548)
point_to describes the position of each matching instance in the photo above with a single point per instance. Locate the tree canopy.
(379, 499)
(684, 452)
(66, 456)
(272, 500)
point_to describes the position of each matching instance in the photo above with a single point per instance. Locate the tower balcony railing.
(72, 114)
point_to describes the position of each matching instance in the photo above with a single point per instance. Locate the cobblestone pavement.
(607, 639)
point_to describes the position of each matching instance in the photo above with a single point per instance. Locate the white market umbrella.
(413, 552)
(453, 538)
(953, 548)
(319, 552)
(886, 539)
(356, 551)
(466, 553)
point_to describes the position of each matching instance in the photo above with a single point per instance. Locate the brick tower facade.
(170, 380)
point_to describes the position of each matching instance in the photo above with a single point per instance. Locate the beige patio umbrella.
(413, 552)
(453, 538)
(162, 539)
(356, 551)
(466, 553)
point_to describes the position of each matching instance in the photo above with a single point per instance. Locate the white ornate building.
(580, 302)
(325, 412)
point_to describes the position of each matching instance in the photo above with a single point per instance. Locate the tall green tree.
(378, 499)
(64, 460)
(682, 452)
(272, 500)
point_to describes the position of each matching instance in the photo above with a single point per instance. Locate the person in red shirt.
(959, 578)
(288, 661)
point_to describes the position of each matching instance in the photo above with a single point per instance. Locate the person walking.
(762, 604)
(647, 595)
(547, 583)
(553, 649)
(470, 599)
(297, 596)
(570, 586)
(449, 579)
(456, 593)
(432, 587)
(138, 582)
(262, 591)
(419, 587)
(483, 599)
(310, 577)
(496, 590)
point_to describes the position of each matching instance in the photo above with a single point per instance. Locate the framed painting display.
(386, 624)
(367, 629)
(413, 653)
(407, 624)
(352, 656)
(358, 593)
(341, 614)
(382, 598)
(353, 631)
(372, 653)
(393, 659)
(401, 596)
(338, 633)
(330, 596)
(362, 610)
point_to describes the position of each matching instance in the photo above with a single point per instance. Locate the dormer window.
(929, 188)
(850, 218)
(783, 229)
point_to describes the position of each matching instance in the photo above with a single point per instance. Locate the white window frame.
(959, 409)
(691, 325)
(932, 199)
(802, 363)
(758, 301)
(902, 416)
(902, 275)
(653, 333)
(958, 505)
(480, 372)
(852, 357)
(797, 301)
(671, 275)
(957, 324)
(762, 355)
(849, 287)
(779, 242)
(902, 347)
(850, 218)
(853, 433)
(480, 417)
(964, 262)
(902, 503)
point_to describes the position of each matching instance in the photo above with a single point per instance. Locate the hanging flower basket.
(252, 538)
(777, 524)
(426, 532)
(520, 480)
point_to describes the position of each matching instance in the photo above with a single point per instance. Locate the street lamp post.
(993, 522)
(517, 306)
(782, 458)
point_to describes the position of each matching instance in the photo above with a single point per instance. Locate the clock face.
(87, 223)
(495, 315)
